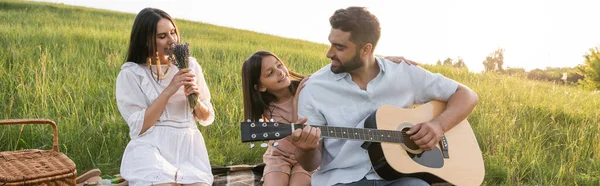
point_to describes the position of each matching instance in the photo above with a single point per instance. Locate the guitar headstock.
(262, 131)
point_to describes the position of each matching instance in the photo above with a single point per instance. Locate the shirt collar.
(379, 61)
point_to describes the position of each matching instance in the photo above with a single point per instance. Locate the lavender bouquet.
(179, 55)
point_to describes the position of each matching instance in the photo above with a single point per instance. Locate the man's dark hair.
(363, 26)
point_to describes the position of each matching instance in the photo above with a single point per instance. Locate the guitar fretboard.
(364, 134)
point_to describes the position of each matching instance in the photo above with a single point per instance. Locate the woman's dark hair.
(142, 43)
(255, 101)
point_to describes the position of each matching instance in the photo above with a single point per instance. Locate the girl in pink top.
(270, 92)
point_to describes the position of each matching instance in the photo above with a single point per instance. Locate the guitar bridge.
(444, 146)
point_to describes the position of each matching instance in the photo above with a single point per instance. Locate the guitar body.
(462, 166)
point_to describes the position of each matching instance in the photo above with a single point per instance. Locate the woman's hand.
(295, 102)
(183, 78)
(400, 59)
(192, 89)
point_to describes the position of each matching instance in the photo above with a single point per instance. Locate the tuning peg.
(261, 120)
(251, 145)
(272, 120)
(248, 120)
(275, 144)
(263, 145)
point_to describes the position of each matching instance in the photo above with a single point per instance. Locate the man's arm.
(309, 147)
(307, 139)
(458, 107)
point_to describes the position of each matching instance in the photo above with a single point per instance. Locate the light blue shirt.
(335, 100)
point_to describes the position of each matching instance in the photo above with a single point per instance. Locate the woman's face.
(273, 75)
(165, 36)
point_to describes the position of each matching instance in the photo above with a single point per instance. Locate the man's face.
(343, 52)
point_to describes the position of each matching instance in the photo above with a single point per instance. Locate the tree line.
(585, 75)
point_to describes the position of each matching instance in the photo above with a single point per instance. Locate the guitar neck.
(364, 134)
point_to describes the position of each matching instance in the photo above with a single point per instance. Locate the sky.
(533, 33)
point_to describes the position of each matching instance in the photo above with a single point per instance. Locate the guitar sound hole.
(407, 141)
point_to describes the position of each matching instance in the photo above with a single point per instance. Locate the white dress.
(173, 150)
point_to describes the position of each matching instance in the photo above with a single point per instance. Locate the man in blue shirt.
(353, 86)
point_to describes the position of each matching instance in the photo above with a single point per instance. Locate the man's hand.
(307, 138)
(426, 135)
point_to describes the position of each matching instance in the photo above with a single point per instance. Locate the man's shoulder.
(318, 80)
(395, 67)
(323, 73)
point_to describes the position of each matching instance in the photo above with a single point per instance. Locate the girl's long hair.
(255, 102)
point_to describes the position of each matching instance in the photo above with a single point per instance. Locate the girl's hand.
(183, 77)
(400, 59)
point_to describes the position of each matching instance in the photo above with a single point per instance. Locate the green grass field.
(60, 62)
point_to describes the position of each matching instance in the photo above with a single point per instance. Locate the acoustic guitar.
(456, 159)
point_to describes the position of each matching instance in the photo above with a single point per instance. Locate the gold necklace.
(162, 75)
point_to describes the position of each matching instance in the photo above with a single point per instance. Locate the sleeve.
(307, 108)
(204, 93)
(131, 102)
(430, 86)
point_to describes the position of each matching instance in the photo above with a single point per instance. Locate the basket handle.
(36, 121)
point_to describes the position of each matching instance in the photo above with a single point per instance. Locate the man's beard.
(351, 65)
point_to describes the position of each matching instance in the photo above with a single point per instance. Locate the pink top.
(282, 112)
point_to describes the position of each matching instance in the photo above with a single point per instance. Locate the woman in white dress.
(166, 147)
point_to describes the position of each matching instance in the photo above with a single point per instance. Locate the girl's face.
(165, 36)
(273, 75)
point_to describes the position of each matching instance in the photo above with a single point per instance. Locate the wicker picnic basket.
(34, 166)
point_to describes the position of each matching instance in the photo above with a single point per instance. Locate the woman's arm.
(153, 112)
(132, 102)
(204, 111)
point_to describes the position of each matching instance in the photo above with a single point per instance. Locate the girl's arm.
(400, 59)
(295, 103)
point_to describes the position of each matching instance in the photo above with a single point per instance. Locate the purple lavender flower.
(179, 55)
